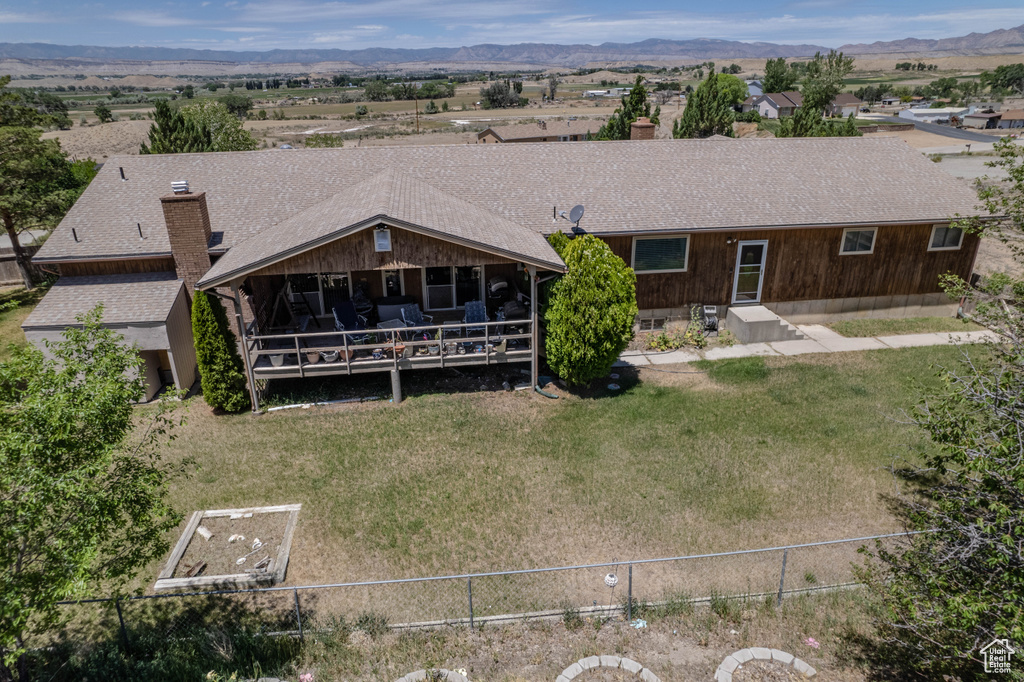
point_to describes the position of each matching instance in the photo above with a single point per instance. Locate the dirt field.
(916, 138)
(102, 141)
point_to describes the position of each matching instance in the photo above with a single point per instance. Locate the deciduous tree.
(952, 589)
(82, 491)
(103, 113)
(226, 131)
(37, 186)
(822, 82)
(778, 76)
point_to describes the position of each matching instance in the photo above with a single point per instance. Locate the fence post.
(782, 578)
(629, 597)
(124, 632)
(298, 613)
(469, 588)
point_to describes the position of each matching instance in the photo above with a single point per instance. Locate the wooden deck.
(332, 353)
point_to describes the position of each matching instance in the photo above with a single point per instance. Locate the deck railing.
(430, 345)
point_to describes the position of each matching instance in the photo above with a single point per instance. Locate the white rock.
(205, 532)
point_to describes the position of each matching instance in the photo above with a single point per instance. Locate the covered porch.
(319, 324)
(391, 275)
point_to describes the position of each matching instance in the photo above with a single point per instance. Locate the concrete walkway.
(820, 339)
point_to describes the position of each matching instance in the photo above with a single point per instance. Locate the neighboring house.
(854, 226)
(929, 115)
(844, 105)
(542, 131)
(982, 120)
(1014, 118)
(754, 88)
(774, 104)
(984, 106)
(890, 101)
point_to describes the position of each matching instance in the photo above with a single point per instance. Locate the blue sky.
(270, 24)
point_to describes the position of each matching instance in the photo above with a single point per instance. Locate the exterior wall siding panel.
(804, 265)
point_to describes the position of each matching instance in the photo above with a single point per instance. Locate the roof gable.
(389, 197)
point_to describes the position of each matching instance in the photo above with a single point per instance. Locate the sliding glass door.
(451, 287)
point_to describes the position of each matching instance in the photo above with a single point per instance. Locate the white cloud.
(23, 18)
(153, 19)
(307, 10)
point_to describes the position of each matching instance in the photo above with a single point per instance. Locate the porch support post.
(534, 331)
(396, 386)
(253, 395)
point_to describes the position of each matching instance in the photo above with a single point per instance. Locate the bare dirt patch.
(102, 141)
(766, 671)
(915, 138)
(221, 556)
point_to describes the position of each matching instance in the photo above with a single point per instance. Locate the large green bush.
(592, 309)
(220, 366)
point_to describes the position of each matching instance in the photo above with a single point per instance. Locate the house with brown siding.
(291, 240)
(570, 130)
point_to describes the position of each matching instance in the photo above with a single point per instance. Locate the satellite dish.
(576, 213)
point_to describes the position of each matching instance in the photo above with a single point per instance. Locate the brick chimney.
(188, 229)
(641, 129)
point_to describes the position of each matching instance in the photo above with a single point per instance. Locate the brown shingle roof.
(144, 298)
(1013, 115)
(392, 195)
(627, 187)
(527, 131)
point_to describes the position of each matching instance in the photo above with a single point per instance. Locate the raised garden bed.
(231, 548)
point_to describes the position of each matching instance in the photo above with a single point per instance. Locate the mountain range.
(996, 42)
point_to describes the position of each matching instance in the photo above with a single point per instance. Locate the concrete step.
(757, 324)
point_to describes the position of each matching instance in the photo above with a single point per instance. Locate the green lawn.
(752, 453)
(910, 325)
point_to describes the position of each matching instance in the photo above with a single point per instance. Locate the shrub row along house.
(334, 260)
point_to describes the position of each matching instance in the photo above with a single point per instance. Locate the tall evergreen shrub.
(220, 366)
(592, 309)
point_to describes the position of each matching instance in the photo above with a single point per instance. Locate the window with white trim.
(660, 254)
(946, 238)
(858, 241)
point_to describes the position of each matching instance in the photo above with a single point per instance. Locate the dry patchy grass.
(752, 453)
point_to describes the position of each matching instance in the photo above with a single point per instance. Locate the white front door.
(750, 260)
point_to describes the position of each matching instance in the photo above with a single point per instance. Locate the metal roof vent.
(180, 187)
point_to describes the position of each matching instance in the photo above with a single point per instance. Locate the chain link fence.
(472, 599)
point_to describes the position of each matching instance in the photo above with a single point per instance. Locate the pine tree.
(173, 134)
(708, 112)
(220, 366)
(634, 105)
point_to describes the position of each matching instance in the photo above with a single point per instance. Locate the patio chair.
(414, 317)
(346, 319)
(476, 314)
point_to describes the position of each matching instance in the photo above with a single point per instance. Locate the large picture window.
(660, 254)
(858, 241)
(945, 238)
